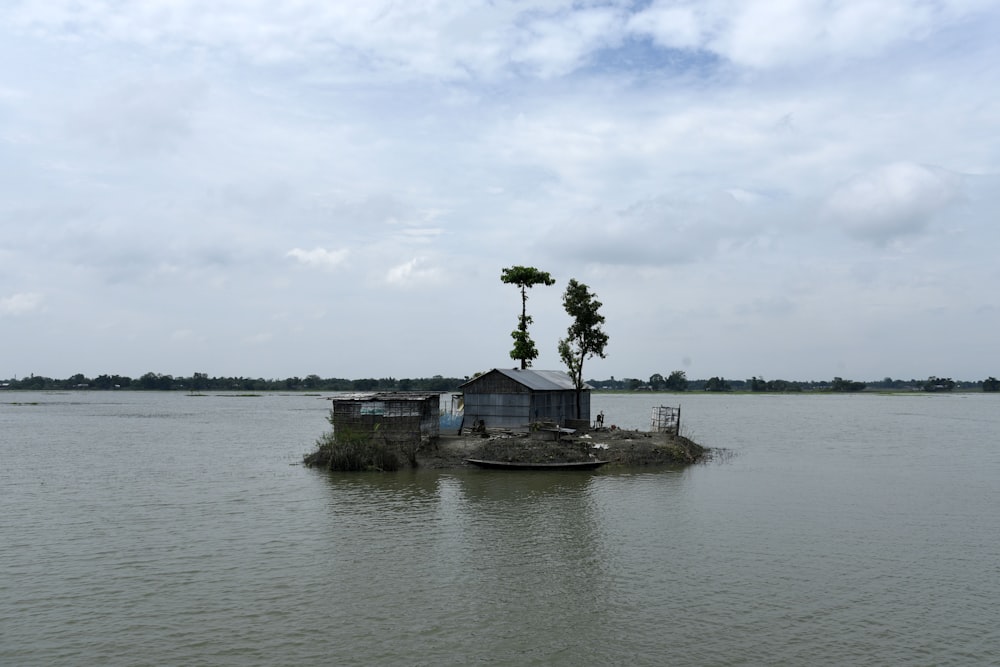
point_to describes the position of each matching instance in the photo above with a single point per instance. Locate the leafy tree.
(155, 381)
(782, 385)
(584, 337)
(656, 382)
(677, 381)
(757, 384)
(199, 382)
(935, 383)
(105, 381)
(717, 384)
(991, 384)
(840, 384)
(438, 383)
(524, 277)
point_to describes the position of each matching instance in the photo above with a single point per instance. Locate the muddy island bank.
(620, 447)
(505, 415)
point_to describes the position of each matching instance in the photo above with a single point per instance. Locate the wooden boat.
(519, 465)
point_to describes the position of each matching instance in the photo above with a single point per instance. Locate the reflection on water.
(522, 486)
(493, 557)
(160, 528)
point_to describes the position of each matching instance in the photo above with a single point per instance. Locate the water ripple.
(164, 530)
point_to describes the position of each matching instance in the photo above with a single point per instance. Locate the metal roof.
(386, 396)
(537, 380)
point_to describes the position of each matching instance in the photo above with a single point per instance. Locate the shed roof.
(387, 396)
(536, 380)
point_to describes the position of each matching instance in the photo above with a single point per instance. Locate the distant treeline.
(675, 381)
(202, 382)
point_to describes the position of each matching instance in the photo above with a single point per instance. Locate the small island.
(514, 417)
(620, 447)
(505, 415)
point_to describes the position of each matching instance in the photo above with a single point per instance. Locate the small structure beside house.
(396, 416)
(666, 419)
(516, 398)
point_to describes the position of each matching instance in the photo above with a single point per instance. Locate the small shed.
(399, 416)
(515, 398)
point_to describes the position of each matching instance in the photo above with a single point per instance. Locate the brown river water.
(167, 529)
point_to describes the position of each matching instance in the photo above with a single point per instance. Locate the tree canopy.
(935, 383)
(524, 277)
(585, 338)
(676, 381)
(842, 385)
(717, 383)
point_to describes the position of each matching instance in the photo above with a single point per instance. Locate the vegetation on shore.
(363, 450)
(677, 381)
(358, 452)
(674, 382)
(373, 452)
(619, 446)
(200, 382)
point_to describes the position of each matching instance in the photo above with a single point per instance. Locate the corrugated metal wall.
(395, 418)
(518, 410)
(498, 410)
(558, 406)
(504, 403)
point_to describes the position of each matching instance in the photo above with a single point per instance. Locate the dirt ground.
(619, 446)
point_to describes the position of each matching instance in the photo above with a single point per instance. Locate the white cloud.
(893, 201)
(682, 157)
(560, 43)
(187, 336)
(413, 273)
(139, 118)
(11, 95)
(790, 33)
(261, 338)
(319, 258)
(767, 307)
(661, 231)
(20, 304)
(422, 233)
(670, 25)
(453, 40)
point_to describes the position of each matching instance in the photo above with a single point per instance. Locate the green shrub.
(351, 451)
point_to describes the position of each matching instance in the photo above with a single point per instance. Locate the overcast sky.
(788, 189)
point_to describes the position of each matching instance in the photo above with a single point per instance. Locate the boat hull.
(519, 465)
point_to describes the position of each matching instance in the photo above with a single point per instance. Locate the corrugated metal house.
(515, 398)
(399, 416)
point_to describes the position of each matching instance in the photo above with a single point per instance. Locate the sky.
(788, 189)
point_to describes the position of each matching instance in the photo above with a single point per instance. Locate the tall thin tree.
(524, 277)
